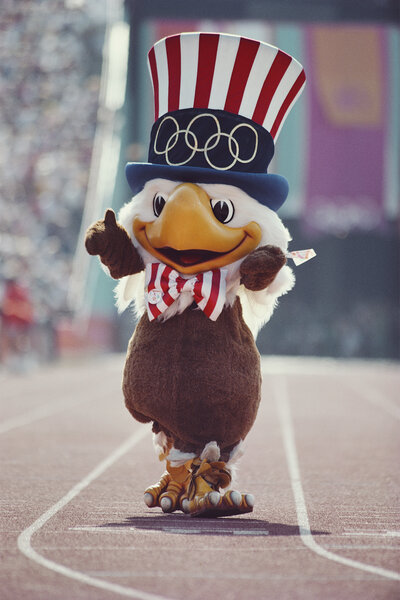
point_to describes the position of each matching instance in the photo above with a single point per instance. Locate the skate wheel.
(185, 505)
(166, 504)
(232, 498)
(214, 498)
(149, 499)
(248, 500)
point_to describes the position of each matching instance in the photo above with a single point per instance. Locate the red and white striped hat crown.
(220, 102)
(227, 72)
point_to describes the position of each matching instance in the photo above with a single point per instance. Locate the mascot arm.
(112, 243)
(260, 267)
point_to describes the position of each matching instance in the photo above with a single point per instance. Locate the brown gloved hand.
(112, 243)
(260, 267)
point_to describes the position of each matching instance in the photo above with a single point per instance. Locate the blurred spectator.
(16, 323)
(50, 61)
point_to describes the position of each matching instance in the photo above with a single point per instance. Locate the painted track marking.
(38, 413)
(177, 530)
(376, 398)
(25, 538)
(374, 533)
(283, 408)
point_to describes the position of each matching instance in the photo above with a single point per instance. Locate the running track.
(322, 461)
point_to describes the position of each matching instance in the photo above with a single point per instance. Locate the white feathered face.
(198, 227)
(191, 230)
(257, 306)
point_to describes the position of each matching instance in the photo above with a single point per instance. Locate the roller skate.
(203, 497)
(170, 490)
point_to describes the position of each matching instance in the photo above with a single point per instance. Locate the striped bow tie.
(164, 285)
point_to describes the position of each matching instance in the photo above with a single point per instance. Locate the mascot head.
(220, 101)
(205, 200)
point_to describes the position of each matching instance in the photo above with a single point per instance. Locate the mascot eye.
(223, 210)
(158, 204)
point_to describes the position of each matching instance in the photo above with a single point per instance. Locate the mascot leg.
(171, 489)
(152, 494)
(170, 500)
(208, 477)
(195, 484)
(169, 492)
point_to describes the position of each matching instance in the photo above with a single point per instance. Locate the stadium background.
(77, 105)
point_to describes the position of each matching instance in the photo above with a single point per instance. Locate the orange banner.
(349, 75)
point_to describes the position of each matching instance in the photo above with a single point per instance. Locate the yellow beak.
(188, 237)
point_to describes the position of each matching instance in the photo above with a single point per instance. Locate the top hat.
(220, 101)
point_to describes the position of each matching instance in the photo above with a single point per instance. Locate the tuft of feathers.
(211, 452)
(257, 306)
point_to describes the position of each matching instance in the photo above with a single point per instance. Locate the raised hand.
(112, 243)
(260, 267)
(101, 235)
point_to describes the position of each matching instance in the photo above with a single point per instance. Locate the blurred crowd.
(50, 62)
(50, 65)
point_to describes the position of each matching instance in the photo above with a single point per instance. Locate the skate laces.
(213, 473)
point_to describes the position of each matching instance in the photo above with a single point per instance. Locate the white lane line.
(216, 549)
(280, 365)
(307, 365)
(100, 529)
(377, 398)
(362, 547)
(210, 531)
(180, 530)
(283, 408)
(24, 539)
(359, 519)
(38, 413)
(275, 365)
(371, 514)
(374, 533)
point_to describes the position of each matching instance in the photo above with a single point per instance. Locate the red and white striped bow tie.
(164, 285)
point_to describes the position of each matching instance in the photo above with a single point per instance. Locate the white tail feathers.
(211, 452)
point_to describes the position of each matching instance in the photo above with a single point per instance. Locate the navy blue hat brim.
(269, 189)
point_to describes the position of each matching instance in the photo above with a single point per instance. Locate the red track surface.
(322, 461)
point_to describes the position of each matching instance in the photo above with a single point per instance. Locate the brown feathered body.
(198, 380)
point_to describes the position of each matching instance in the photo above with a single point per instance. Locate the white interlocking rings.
(192, 142)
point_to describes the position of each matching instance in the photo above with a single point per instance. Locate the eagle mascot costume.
(202, 253)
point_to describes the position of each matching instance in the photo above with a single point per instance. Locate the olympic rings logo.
(192, 142)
